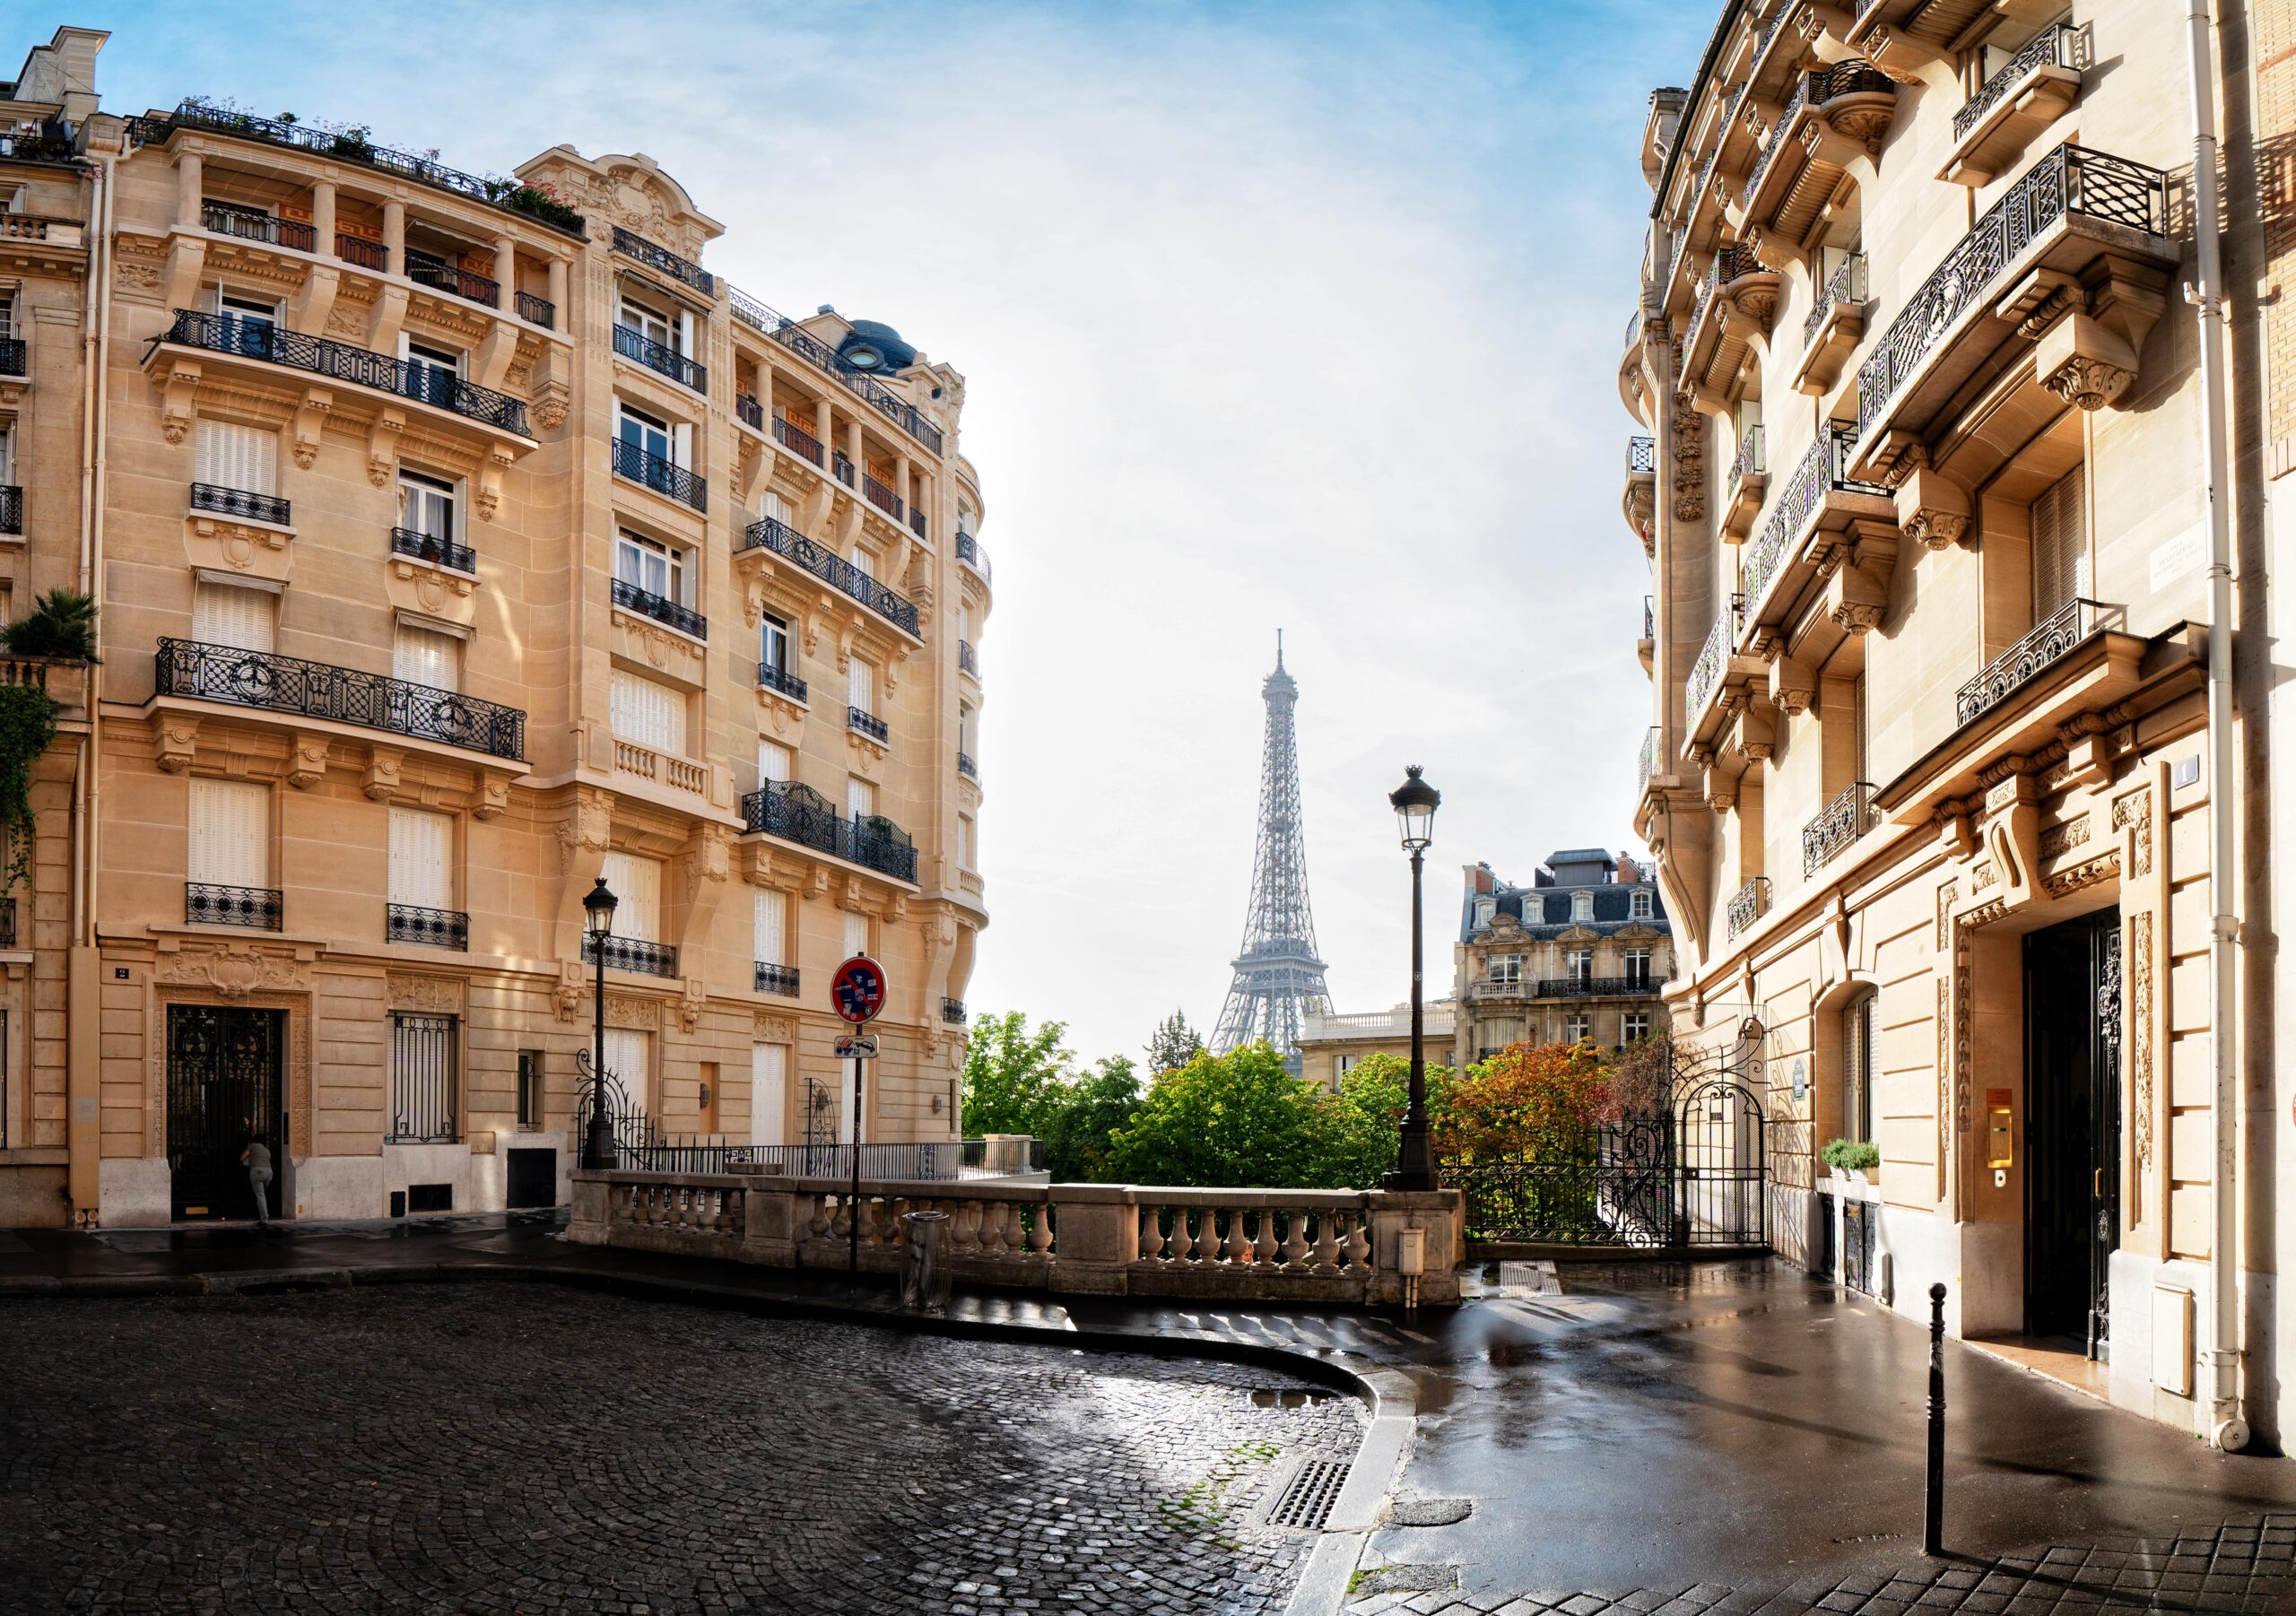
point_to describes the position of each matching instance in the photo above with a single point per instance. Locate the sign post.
(856, 993)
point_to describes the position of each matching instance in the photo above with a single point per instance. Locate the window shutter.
(222, 614)
(682, 444)
(422, 656)
(860, 797)
(772, 762)
(768, 1092)
(649, 713)
(857, 933)
(226, 455)
(771, 504)
(628, 1057)
(771, 916)
(421, 858)
(230, 832)
(638, 883)
(861, 685)
(2060, 545)
(1856, 1064)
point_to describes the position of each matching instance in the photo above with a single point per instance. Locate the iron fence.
(537, 311)
(1825, 469)
(240, 502)
(253, 338)
(751, 412)
(2048, 641)
(12, 509)
(862, 721)
(1838, 823)
(213, 903)
(365, 254)
(685, 620)
(431, 547)
(1749, 904)
(952, 1011)
(659, 472)
(797, 812)
(1595, 987)
(1846, 284)
(631, 245)
(7, 922)
(774, 978)
(966, 767)
(968, 659)
(633, 954)
(826, 564)
(316, 690)
(247, 224)
(15, 356)
(430, 270)
(434, 929)
(661, 358)
(971, 554)
(2054, 47)
(765, 320)
(796, 440)
(425, 1092)
(776, 678)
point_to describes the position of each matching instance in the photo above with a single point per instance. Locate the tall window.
(774, 761)
(1578, 1027)
(650, 435)
(652, 325)
(426, 505)
(231, 833)
(771, 504)
(1505, 968)
(865, 560)
(860, 797)
(227, 454)
(1580, 964)
(2060, 520)
(431, 372)
(861, 685)
(1640, 906)
(425, 1098)
(531, 1100)
(426, 657)
(965, 849)
(647, 711)
(224, 614)
(1857, 1067)
(964, 729)
(649, 564)
(769, 1094)
(1637, 968)
(423, 858)
(629, 1057)
(1634, 1026)
(773, 645)
(769, 926)
(638, 883)
(857, 933)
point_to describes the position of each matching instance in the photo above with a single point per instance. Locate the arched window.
(1857, 1066)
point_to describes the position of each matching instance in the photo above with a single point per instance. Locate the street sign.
(857, 990)
(856, 1044)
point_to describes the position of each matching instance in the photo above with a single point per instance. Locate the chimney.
(1629, 871)
(1479, 880)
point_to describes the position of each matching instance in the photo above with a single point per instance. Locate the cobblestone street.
(519, 1448)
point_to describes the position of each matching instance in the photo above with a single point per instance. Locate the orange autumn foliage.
(1527, 1101)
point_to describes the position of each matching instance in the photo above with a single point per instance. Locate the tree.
(1013, 1076)
(1087, 1110)
(1527, 1101)
(1239, 1118)
(1173, 1045)
(1371, 1102)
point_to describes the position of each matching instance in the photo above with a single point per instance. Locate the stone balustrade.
(1100, 1240)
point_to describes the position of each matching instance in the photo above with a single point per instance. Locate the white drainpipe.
(2228, 1429)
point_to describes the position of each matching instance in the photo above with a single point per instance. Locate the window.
(865, 560)
(2060, 545)
(226, 455)
(426, 505)
(428, 657)
(1634, 1026)
(424, 1109)
(1485, 909)
(225, 614)
(768, 923)
(1580, 963)
(1582, 906)
(231, 833)
(857, 933)
(773, 762)
(964, 730)
(1577, 1027)
(423, 858)
(650, 435)
(530, 1088)
(647, 711)
(7, 456)
(769, 1094)
(1342, 1064)
(860, 797)
(431, 372)
(771, 504)
(1505, 968)
(651, 565)
(1637, 968)
(629, 1058)
(652, 325)
(1641, 907)
(773, 647)
(247, 318)
(964, 843)
(1857, 1067)
(638, 883)
(861, 685)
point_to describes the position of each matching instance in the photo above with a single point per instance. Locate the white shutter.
(645, 711)
(423, 846)
(222, 614)
(230, 832)
(860, 797)
(2060, 545)
(864, 562)
(227, 454)
(773, 762)
(771, 504)
(857, 933)
(768, 1093)
(638, 883)
(682, 445)
(861, 685)
(422, 656)
(769, 926)
(628, 1056)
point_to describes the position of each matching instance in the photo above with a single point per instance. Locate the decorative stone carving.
(552, 397)
(2139, 1044)
(432, 995)
(2087, 383)
(691, 1003)
(769, 1028)
(307, 763)
(1689, 439)
(491, 795)
(2059, 838)
(175, 743)
(587, 828)
(566, 995)
(381, 783)
(2087, 873)
(1858, 617)
(233, 969)
(382, 445)
(635, 1013)
(2135, 811)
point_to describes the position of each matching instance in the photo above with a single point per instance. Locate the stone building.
(460, 541)
(1579, 955)
(1332, 1042)
(1939, 774)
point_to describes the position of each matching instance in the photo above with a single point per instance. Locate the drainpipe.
(2228, 1429)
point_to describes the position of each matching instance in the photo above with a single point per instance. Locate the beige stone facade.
(1579, 955)
(1332, 1042)
(1929, 780)
(455, 546)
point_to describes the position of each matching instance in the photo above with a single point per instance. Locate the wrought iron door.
(223, 1084)
(1724, 1199)
(2072, 1134)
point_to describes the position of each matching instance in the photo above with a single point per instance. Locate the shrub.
(61, 623)
(1851, 1155)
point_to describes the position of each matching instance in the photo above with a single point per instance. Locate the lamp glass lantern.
(1414, 802)
(597, 910)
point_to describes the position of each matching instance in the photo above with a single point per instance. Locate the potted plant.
(1851, 1158)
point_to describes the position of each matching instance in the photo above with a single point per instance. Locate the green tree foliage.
(1241, 1118)
(60, 623)
(1089, 1108)
(1013, 1076)
(1173, 1045)
(1372, 1099)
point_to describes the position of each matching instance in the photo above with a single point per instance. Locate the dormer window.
(1582, 906)
(1484, 909)
(1640, 907)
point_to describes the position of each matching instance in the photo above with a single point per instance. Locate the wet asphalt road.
(1739, 1423)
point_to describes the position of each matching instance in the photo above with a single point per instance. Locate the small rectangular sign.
(849, 1045)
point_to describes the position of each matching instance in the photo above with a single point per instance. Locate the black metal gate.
(223, 1085)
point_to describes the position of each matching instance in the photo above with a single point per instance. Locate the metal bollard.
(1933, 1513)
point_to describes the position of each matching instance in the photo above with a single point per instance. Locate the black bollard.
(1933, 1513)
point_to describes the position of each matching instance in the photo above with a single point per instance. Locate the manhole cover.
(1308, 1497)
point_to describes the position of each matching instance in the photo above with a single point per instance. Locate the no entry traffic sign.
(857, 990)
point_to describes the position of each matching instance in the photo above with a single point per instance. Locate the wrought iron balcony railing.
(631, 245)
(823, 563)
(1749, 460)
(1641, 454)
(952, 1011)
(239, 502)
(537, 311)
(881, 496)
(632, 954)
(7, 922)
(1706, 672)
(1825, 469)
(841, 467)
(2070, 180)
(511, 196)
(1595, 987)
(208, 903)
(1648, 763)
(861, 720)
(15, 356)
(968, 658)
(434, 929)
(431, 547)
(776, 678)
(1839, 822)
(429, 269)
(660, 357)
(1846, 284)
(365, 254)
(800, 814)
(966, 767)
(2046, 642)
(751, 411)
(774, 978)
(323, 356)
(971, 554)
(247, 225)
(197, 671)
(1749, 904)
(1649, 619)
(2052, 46)
(916, 520)
(763, 320)
(1815, 88)
(660, 473)
(797, 441)
(685, 620)
(12, 509)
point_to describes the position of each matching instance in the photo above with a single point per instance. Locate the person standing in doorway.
(257, 1156)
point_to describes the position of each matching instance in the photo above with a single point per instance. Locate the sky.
(1273, 316)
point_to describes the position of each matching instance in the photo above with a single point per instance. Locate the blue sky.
(1297, 316)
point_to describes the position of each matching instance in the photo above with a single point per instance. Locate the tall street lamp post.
(597, 924)
(1414, 802)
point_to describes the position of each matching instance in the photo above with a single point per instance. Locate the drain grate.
(1308, 1497)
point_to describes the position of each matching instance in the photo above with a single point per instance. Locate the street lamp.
(1414, 802)
(597, 924)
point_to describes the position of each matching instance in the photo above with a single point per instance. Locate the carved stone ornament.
(566, 995)
(691, 1003)
(1858, 617)
(769, 1028)
(491, 796)
(434, 995)
(307, 764)
(309, 417)
(635, 1013)
(585, 829)
(381, 783)
(175, 743)
(551, 403)
(2088, 383)
(1936, 529)
(382, 446)
(232, 970)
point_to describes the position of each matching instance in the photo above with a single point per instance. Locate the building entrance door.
(223, 1083)
(2072, 1126)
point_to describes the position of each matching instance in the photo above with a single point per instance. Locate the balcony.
(660, 473)
(338, 362)
(247, 224)
(769, 534)
(916, 520)
(1821, 496)
(797, 441)
(1749, 904)
(2032, 92)
(800, 814)
(1595, 987)
(662, 359)
(511, 195)
(633, 954)
(207, 903)
(433, 272)
(360, 251)
(1835, 325)
(1742, 494)
(861, 721)
(1839, 822)
(970, 554)
(1647, 647)
(952, 1012)
(536, 311)
(1639, 503)
(781, 681)
(1735, 301)
(432, 928)
(841, 467)
(751, 413)
(239, 502)
(8, 937)
(1648, 764)
(2049, 642)
(774, 978)
(822, 357)
(662, 768)
(661, 609)
(968, 659)
(430, 547)
(191, 670)
(15, 356)
(2074, 211)
(1718, 667)
(12, 509)
(1836, 115)
(631, 245)
(881, 496)
(965, 768)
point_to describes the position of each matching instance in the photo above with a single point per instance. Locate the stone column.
(558, 292)
(323, 218)
(394, 235)
(506, 273)
(1442, 1213)
(1098, 1235)
(588, 1226)
(189, 186)
(768, 1222)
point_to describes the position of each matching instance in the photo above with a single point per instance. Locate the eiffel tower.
(1278, 976)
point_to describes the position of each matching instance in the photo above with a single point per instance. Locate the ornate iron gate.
(223, 1085)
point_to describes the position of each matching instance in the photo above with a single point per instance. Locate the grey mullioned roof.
(1545, 909)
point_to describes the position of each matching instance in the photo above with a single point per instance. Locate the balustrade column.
(190, 183)
(323, 218)
(505, 273)
(557, 272)
(395, 234)
(825, 433)
(853, 447)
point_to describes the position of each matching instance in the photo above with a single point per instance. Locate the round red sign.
(857, 990)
